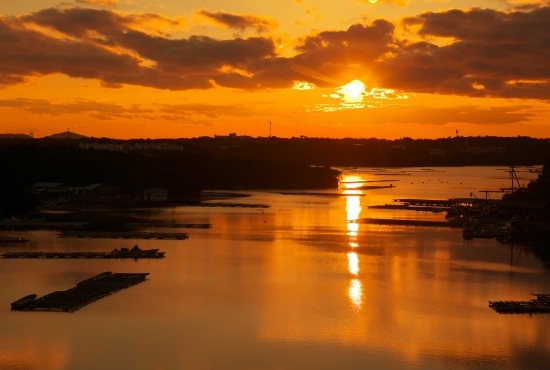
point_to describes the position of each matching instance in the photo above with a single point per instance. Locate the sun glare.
(353, 92)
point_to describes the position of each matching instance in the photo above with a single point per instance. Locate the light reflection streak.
(356, 293)
(353, 210)
(353, 263)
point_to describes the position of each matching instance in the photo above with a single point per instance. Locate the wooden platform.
(13, 240)
(116, 254)
(123, 235)
(389, 221)
(539, 305)
(85, 292)
(167, 225)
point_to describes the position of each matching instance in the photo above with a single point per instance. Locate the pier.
(123, 253)
(539, 305)
(42, 225)
(393, 222)
(85, 292)
(174, 226)
(13, 240)
(123, 235)
(406, 207)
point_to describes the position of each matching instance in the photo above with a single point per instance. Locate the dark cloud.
(493, 53)
(240, 22)
(106, 3)
(433, 115)
(489, 53)
(212, 110)
(94, 108)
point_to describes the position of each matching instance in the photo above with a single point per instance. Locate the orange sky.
(129, 69)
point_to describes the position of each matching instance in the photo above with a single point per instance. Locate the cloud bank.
(490, 53)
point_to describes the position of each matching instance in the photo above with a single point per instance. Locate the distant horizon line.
(76, 136)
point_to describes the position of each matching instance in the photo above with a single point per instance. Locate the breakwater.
(394, 222)
(123, 235)
(116, 254)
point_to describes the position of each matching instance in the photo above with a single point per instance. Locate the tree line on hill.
(538, 189)
(183, 174)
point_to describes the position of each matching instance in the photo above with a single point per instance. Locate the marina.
(539, 305)
(123, 235)
(85, 292)
(123, 253)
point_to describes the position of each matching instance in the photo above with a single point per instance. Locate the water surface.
(294, 286)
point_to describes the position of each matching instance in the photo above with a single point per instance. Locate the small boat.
(23, 301)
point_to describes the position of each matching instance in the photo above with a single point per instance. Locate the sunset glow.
(387, 68)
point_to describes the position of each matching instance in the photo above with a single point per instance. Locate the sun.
(353, 92)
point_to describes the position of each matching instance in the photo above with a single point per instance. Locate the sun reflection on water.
(356, 293)
(353, 210)
(353, 263)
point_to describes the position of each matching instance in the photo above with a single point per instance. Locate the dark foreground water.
(294, 286)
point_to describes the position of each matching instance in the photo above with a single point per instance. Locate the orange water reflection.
(353, 210)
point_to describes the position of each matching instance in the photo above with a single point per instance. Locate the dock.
(13, 240)
(85, 292)
(438, 202)
(539, 305)
(401, 222)
(123, 235)
(42, 225)
(406, 207)
(123, 253)
(166, 225)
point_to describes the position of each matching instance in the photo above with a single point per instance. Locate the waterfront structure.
(155, 194)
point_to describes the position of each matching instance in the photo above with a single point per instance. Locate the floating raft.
(85, 292)
(539, 305)
(123, 235)
(43, 225)
(182, 226)
(406, 207)
(389, 221)
(116, 254)
(13, 240)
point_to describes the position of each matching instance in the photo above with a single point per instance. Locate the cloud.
(98, 110)
(489, 53)
(401, 3)
(106, 3)
(212, 110)
(469, 114)
(240, 22)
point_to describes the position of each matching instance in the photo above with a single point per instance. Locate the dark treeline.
(405, 152)
(182, 173)
(538, 189)
(383, 153)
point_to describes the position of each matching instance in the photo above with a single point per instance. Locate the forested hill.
(455, 151)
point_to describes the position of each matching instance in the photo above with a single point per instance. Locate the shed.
(155, 194)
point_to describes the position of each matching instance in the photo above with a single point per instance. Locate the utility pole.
(270, 129)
